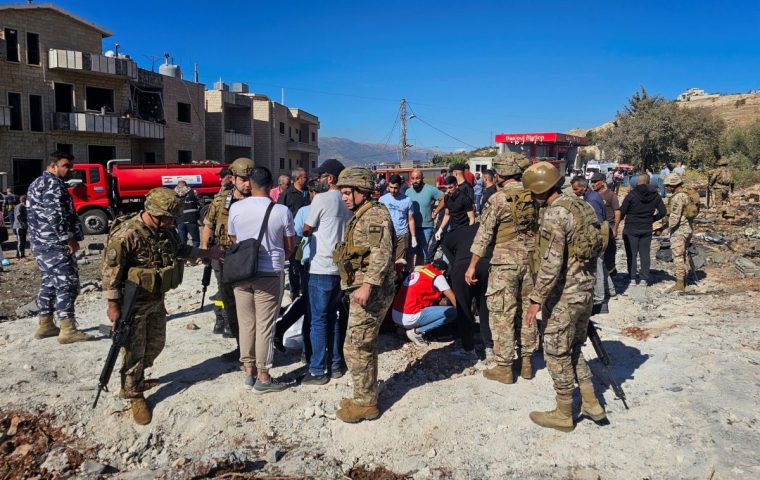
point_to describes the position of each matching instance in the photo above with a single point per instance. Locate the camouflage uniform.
(52, 223)
(680, 232)
(132, 245)
(564, 285)
(371, 231)
(509, 280)
(721, 182)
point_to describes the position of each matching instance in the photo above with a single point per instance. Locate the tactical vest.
(724, 177)
(691, 210)
(586, 242)
(524, 216)
(222, 202)
(162, 271)
(349, 257)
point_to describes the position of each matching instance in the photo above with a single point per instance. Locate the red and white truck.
(102, 193)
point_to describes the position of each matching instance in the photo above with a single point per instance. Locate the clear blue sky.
(468, 67)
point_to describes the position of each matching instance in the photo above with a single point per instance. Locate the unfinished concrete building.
(229, 123)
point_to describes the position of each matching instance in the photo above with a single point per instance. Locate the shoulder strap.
(265, 223)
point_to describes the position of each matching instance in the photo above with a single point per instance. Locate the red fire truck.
(101, 193)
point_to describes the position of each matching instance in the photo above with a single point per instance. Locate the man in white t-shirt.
(258, 300)
(325, 224)
(416, 305)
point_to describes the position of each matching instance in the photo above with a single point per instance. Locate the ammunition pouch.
(145, 278)
(170, 277)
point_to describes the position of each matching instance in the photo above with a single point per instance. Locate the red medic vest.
(417, 291)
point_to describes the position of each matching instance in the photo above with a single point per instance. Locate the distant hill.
(360, 153)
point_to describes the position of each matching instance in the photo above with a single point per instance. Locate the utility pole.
(404, 145)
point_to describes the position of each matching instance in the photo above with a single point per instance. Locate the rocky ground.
(688, 364)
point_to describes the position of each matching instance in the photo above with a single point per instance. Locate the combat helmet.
(163, 202)
(541, 177)
(723, 162)
(360, 178)
(673, 180)
(242, 167)
(509, 164)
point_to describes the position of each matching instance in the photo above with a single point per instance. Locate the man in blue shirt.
(424, 198)
(478, 191)
(400, 208)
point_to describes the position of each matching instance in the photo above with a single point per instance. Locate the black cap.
(331, 166)
(224, 171)
(597, 176)
(458, 166)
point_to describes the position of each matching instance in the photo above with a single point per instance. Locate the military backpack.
(586, 242)
(691, 210)
(524, 216)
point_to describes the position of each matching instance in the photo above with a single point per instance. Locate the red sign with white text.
(551, 137)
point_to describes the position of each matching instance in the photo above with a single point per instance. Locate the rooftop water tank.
(169, 69)
(239, 87)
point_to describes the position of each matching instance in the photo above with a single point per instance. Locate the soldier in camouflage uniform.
(54, 234)
(145, 248)
(365, 263)
(215, 228)
(721, 182)
(509, 220)
(680, 229)
(569, 243)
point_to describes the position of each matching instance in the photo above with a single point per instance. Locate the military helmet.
(541, 177)
(673, 180)
(723, 162)
(163, 202)
(242, 167)
(357, 177)
(509, 164)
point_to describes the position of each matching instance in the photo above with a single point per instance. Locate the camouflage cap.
(242, 167)
(509, 164)
(360, 178)
(163, 202)
(673, 180)
(723, 162)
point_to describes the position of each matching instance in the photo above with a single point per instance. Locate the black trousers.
(610, 253)
(465, 294)
(20, 241)
(638, 246)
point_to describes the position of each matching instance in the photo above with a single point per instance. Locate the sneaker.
(271, 386)
(416, 337)
(338, 373)
(310, 379)
(250, 380)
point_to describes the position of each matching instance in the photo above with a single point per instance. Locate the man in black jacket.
(641, 208)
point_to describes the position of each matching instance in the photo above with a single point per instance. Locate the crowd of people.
(476, 262)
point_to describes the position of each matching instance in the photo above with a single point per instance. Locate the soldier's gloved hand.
(113, 313)
(414, 242)
(438, 235)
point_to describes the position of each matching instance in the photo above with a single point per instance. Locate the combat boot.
(500, 373)
(140, 411)
(46, 327)
(146, 385)
(350, 412)
(561, 418)
(219, 324)
(70, 334)
(526, 369)
(590, 406)
(680, 286)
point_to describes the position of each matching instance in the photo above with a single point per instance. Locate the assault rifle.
(121, 336)
(205, 282)
(593, 335)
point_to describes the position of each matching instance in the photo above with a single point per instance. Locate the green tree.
(742, 145)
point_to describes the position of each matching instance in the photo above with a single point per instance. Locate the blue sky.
(468, 68)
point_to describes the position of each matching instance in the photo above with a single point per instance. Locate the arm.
(661, 210)
(205, 236)
(616, 227)
(553, 230)
(377, 230)
(290, 245)
(449, 294)
(484, 236)
(412, 228)
(676, 210)
(471, 216)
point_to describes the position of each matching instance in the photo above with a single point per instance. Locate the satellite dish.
(110, 54)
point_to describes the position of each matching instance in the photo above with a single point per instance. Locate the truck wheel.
(94, 222)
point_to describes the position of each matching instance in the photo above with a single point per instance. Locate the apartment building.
(284, 138)
(229, 123)
(59, 91)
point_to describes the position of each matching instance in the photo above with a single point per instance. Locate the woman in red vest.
(416, 305)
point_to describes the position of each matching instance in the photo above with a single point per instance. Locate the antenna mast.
(404, 145)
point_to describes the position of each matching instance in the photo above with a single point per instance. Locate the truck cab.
(88, 187)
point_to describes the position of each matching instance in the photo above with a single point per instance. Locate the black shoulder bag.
(241, 261)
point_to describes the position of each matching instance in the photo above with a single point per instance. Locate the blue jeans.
(433, 317)
(478, 197)
(325, 333)
(424, 234)
(192, 229)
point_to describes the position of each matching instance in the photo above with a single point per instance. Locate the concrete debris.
(92, 468)
(56, 461)
(752, 233)
(28, 310)
(747, 267)
(712, 237)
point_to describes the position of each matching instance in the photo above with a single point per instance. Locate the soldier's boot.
(680, 286)
(147, 385)
(219, 324)
(140, 411)
(526, 369)
(590, 405)
(561, 418)
(500, 373)
(350, 412)
(46, 327)
(70, 334)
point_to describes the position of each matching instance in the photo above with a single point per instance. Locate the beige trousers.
(258, 304)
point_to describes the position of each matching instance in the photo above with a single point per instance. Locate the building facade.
(229, 123)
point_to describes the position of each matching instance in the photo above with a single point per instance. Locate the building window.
(184, 156)
(11, 45)
(183, 112)
(14, 102)
(313, 136)
(100, 154)
(149, 157)
(290, 164)
(65, 148)
(313, 164)
(282, 164)
(32, 48)
(35, 113)
(290, 133)
(98, 99)
(64, 97)
(282, 128)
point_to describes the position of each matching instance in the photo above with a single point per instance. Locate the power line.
(441, 131)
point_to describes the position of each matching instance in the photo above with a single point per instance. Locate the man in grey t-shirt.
(325, 223)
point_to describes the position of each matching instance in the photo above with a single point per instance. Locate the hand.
(72, 245)
(658, 232)
(361, 295)
(438, 235)
(414, 242)
(215, 253)
(530, 315)
(469, 276)
(113, 313)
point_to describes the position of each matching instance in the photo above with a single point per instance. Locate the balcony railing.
(239, 100)
(108, 124)
(237, 139)
(302, 147)
(5, 116)
(92, 62)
